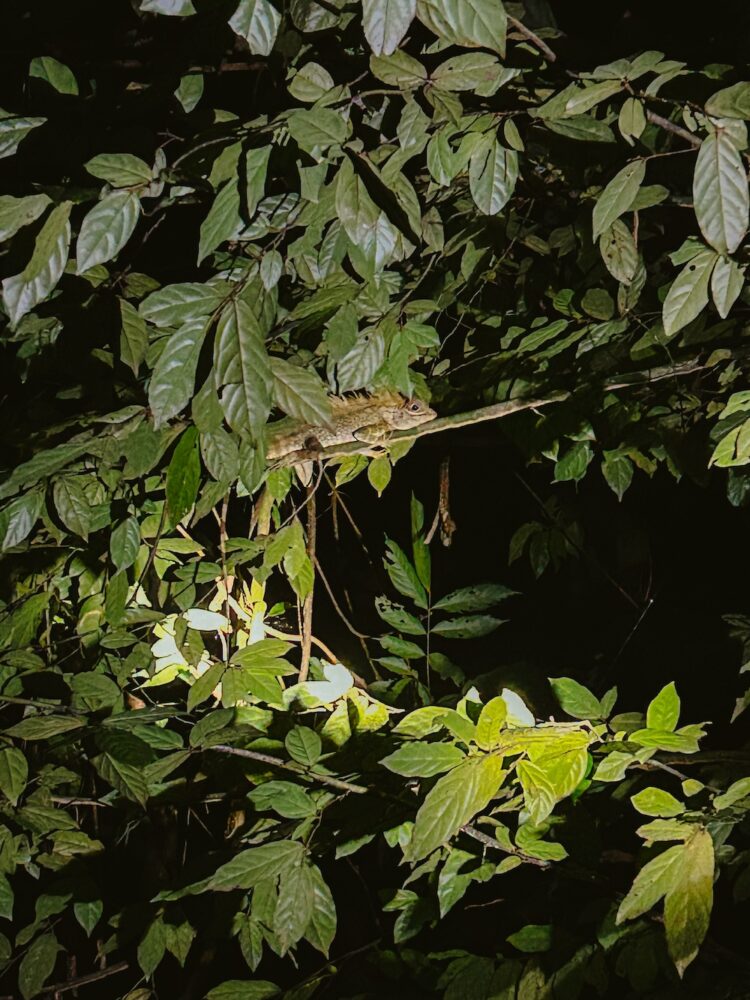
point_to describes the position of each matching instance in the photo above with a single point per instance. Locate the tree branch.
(265, 758)
(494, 412)
(669, 126)
(92, 977)
(534, 39)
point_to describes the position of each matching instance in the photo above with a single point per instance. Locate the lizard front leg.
(375, 434)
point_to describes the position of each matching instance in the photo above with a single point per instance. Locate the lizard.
(366, 418)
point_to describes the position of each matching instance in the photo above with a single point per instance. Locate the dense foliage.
(216, 214)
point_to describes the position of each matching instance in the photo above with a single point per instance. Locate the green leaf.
(13, 129)
(311, 82)
(385, 22)
(15, 213)
(223, 221)
(257, 21)
(321, 928)
(295, 905)
(271, 269)
(403, 575)
(688, 294)
(423, 760)
(178, 304)
(727, 280)
(493, 172)
(205, 685)
(471, 23)
(106, 229)
(190, 91)
(452, 802)
(120, 169)
(26, 290)
(632, 119)
(88, 913)
(243, 372)
(172, 8)
(133, 337)
(475, 71)
(617, 469)
(242, 989)
(14, 773)
(152, 947)
(173, 379)
(300, 393)
(220, 454)
(7, 899)
(398, 618)
(399, 70)
(303, 745)
(250, 867)
(575, 699)
(183, 476)
(317, 128)
(18, 518)
(731, 102)
(475, 598)
(588, 96)
(37, 965)
(124, 543)
(283, 797)
(491, 720)
(720, 192)
(689, 901)
(532, 938)
(656, 802)
(737, 791)
(379, 473)
(651, 884)
(538, 791)
(473, 627)
(619, 252)
(664, 711)
(55, 73)
(116, 596)
(355, 208)
(617, 196)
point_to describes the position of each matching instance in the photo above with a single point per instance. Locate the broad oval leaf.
(617, 196)
(243, 373)
(26, 290)
(385, 23)
(720, 193)
(471, 23)
(257, 21)
(688, 295)
(452, 802)
(493, 172)
(173, 378)
(106, 229)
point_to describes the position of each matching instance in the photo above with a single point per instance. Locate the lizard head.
(410, 413)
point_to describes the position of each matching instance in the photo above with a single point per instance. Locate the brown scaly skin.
(353, 418)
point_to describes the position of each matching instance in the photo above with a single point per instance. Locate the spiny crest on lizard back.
(399, 412)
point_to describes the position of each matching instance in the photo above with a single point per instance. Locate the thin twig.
(265, 758)
(92, 977)
(669, 126)
(488, 841)
(334, 602)
(307, 607)
(534, 39)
